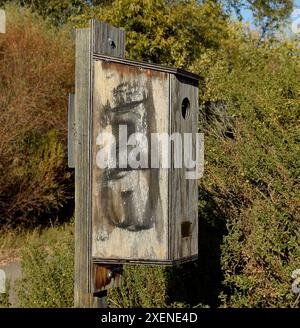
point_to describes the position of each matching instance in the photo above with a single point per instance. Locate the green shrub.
(249, 213)
(143, 286)
(4, 298)
(39, 183)
(253, 174)
(47, 264)
(163, 32)
(47, 272)
(249, 195)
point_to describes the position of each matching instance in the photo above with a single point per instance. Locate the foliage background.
(36, 74)
(249, 201)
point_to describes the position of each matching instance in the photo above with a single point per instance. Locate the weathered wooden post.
(145, 212)
(105, 39)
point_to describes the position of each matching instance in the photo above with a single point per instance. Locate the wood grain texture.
(82, 297)
(138, 215)
(107, 39)
(183, 194)
(129, 206)
(146, 65)
(88, 41)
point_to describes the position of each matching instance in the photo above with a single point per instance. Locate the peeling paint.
(129, 206)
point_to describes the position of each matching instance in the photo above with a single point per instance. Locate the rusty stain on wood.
(129, 205)
(107, 276)
(137, 214)
(144, 65)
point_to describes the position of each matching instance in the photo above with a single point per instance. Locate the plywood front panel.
(129, 204)
(183, 192)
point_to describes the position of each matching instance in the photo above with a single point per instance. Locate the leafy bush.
(47, 271)
(54, 11)
(163, 32)
(253, 174)
(249, 215)
(36, 74)
(143, 286)
(4, 297)
(249, 195)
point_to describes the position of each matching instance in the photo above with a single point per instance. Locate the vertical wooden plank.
(82, 298)
(2, 21)
(71, 131)
(108, 40)
(94, 39)
(184, 192)
(101, 36)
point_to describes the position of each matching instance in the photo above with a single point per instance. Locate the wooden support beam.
(99, 38)
(82, 297)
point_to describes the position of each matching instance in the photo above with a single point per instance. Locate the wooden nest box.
(143, 212)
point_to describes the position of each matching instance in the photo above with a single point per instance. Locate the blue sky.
(297, 3)
(247, 14)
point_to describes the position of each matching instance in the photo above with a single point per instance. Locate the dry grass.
(13, 241)
(36, 75)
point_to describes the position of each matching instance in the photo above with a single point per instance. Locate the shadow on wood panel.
(201, 281)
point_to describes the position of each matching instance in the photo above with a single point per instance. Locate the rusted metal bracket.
(105, 277)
